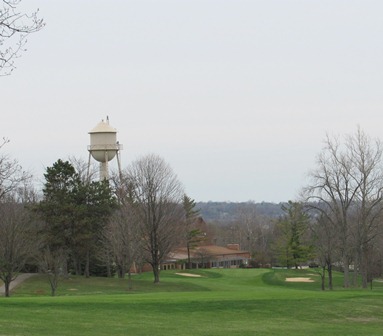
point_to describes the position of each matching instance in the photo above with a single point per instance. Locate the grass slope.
(221, 302)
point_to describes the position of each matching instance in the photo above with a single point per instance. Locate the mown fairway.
(222, 302)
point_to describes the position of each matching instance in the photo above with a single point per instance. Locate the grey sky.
(236, 96)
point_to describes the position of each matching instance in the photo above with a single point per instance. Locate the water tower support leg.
(88, 170)
(119, 165)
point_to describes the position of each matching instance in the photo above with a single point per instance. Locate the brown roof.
(212, 250)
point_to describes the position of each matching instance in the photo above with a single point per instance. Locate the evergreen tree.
(193, 235)
(292, 244)
(75, 213)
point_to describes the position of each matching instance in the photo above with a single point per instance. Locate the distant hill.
(228, 211)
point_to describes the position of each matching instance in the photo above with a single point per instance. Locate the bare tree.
(17, 238)
(202, 258)
(247, 227)
(366, 157)
(12, 176)
(155, 196)
(325, 243)
(123, 240)
(18, 241)
(87, 171)
(15, 26)
(346, 188)
(122, 243)
(255, 233)
(332, 193)
(52, 263)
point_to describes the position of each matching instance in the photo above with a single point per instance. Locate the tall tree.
(123, 241)
(58, 207)
(346, 188)
(325, 244)
(18, 240)
(75, 213)
(247, 224)
(255, 233)
(293, 246)
(155, 196)
(95, 203)
(193, 235)
(332, 193)
(15, 26)
(366, 155)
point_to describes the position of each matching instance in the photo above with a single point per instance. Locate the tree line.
(82, 226)
(88, 227)
(336, 223)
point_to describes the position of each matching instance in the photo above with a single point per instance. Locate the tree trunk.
(346, 273)
(156, 272)
(65, 272)
(130, 284)
(87, 262)
(53, 286)
(364, 267)
(109, 263)
(355, 275)
(188, 249)
(7, 283)
(364, 278)
(7, 291)
(108, 269)
(323, 277)
(121, 271)
(76, 265)
(357, 265)
(329, 270)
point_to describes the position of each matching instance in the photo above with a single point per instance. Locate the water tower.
(104, 147)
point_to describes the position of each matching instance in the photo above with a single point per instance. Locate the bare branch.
(14, 29)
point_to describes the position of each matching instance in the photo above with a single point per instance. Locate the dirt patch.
(299, 280)
(190, 275)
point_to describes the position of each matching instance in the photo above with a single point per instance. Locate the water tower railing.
(105, 147)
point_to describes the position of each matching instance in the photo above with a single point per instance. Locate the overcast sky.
(237, 96)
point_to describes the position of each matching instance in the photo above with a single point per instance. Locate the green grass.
(221, 302)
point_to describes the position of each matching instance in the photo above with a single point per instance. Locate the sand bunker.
(299, 280)
(189, 275)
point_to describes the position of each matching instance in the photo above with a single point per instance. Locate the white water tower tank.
(103, 145)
